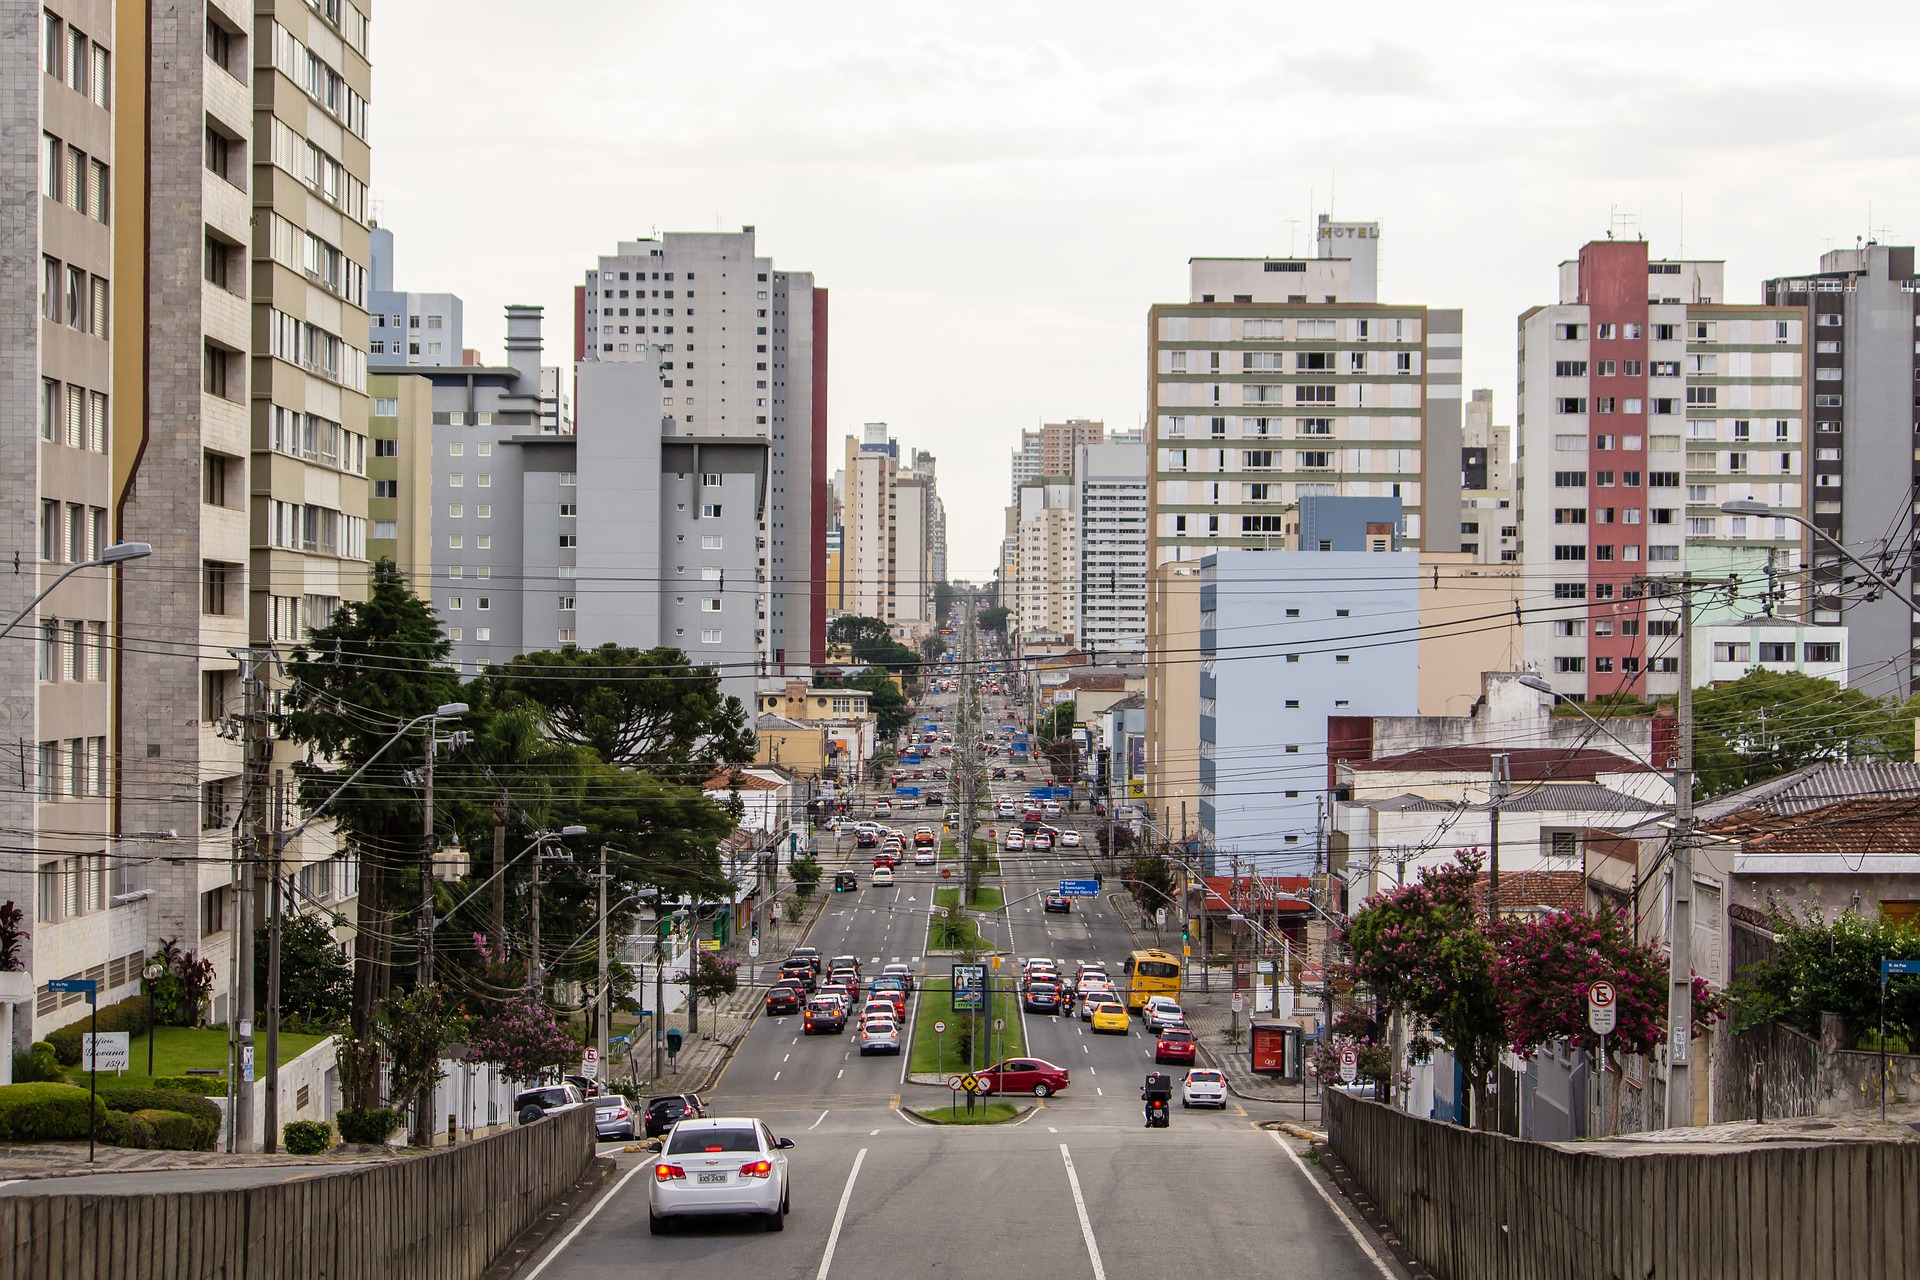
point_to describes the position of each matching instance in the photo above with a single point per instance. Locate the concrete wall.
(1796, 1075)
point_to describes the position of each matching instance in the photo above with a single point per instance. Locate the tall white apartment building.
(1489, 511)
(1048, 588)
(1646, 399)
(1110, 500)
(893, 531)
(742, 350)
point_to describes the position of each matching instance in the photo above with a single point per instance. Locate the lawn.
(990, 899)
(983, 1113)
(177, 1050)
(942, 1054)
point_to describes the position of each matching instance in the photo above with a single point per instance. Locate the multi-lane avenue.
(1077, 1187)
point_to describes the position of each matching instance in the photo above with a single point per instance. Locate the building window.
(710, 511)
(220, 589)
(710, 635)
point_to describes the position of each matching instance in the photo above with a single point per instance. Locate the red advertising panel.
(1269, 1049)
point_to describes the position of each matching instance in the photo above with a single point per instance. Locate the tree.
(1547, 965)
(316, 978)
(805, 874)
(1768, 723)
(1058, 722)
(523, 1038)
(415, 1028)
(650, 709)
(1420, 950)
(1833, 966)
(12, 954)
(858, 632)
(994, 619)
(385, 659)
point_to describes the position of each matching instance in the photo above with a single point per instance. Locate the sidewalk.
(1210, 1015)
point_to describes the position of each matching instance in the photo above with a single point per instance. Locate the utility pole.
(1498, 789)
(426, 861)
(270, 1135)
(659, 992)
(502, 810)
(250, 848)
(1680, 994)
(533, 952)
(601, 1006)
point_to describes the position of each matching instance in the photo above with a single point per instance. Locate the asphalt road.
(1077, 1187)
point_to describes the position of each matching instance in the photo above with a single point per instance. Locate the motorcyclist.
(1157, 1089)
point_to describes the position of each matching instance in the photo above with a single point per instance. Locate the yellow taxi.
(1110, 1015)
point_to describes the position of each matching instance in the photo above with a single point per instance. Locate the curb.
(1019, 1114)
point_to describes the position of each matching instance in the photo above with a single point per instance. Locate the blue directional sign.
(86, 986)
(1080, 888)
(1895, 968)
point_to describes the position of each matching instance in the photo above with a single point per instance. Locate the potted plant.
(16, 984)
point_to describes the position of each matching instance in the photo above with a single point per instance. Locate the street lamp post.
(1755, 507)
(118, 553)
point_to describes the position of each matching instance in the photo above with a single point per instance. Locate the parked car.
(1023, 1075)
(588, 1087)
(719, 1167)
(613, 1118)
(669, 1109)
(1204, 1087)
(530, 1105)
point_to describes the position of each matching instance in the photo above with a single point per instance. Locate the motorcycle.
(1158, 1095)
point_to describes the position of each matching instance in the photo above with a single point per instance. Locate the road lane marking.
(582, 1226)
(1099, 1092)
(839, 1217)
(1338, 1212)
(816, 1123)
(1051, 1129)
(785, 1056)
(1080, 1207)
(841, 1072)
(776, 1075)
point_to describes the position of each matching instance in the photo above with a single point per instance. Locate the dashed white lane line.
(1086, 1224)
(839, 1216)
(776, 1075)
(816, 1123)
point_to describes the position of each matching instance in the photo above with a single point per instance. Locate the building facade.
(1646, 400)
(1865, 321)
(741, 349)
(1110, 492)
(1489, 511)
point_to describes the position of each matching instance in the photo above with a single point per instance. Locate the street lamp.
(115, 554)
(1755, 507)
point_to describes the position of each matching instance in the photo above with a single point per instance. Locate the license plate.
(609, 1115)
(713, 1178)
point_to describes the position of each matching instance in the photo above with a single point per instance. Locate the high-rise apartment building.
(1489, 511)
(58, 270)
(410, 328)
(1865, 323)
(1646, 400)
(1277, 380)
(1046, 596)
(742, 352)
(1110, 501)
(893, 532)
(926, 466)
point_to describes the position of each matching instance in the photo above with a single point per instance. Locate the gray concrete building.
(409, 328)
(1864, 323)
(742, 352)
(57, 267)
(1110, 497)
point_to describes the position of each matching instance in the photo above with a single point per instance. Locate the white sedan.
(878, 1035)
(1204, 1087)
(1069, 839)
(710, 1167)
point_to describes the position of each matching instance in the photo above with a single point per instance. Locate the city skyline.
(970, 158)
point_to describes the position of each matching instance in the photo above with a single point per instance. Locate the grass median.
(983, 1113)
(947, 1054)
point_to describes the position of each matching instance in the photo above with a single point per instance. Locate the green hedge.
(129, 1098)
(39, 1064)
(198, 1086)
(128, 1129)
(307, 1137)
(134, 1015)
(45, 1113)
(174, 1131)
(372, 1126)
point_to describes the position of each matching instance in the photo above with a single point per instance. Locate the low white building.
(1724, 651)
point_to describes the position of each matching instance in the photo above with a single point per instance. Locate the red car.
(1175, 1045)
(1023, 1075)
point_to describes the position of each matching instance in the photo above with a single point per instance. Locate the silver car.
(878, 1035)
(719, 1166)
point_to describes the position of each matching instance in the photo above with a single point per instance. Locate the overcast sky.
(994, 193)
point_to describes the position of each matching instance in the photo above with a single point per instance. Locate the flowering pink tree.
(1547, 965)
(1421, 951)
(523, 1038)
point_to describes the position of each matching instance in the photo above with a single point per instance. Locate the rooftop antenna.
(1293, 236)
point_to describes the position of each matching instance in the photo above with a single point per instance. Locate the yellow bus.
(1150, 973)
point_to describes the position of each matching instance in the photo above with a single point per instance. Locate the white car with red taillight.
(724, 1166)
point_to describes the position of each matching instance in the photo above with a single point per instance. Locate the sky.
(994, 193)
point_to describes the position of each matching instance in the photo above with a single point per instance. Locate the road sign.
(970, 1082)
(969, 988)
(1896, 968)
(107, 1051)
(1079, 888)
(939, 1028)
(1239, 1003)
(1349, 1065)
(999, 1024)
(1160, 918)
(246, 1064)
(85, 985)
(590, 1063)
(753, 948)
(1603, 1009)
(953, 1082)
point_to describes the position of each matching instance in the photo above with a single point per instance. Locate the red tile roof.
(725, 779)
(1529, 764)
(1522, 892)
(1852, 828)
(1255, 893)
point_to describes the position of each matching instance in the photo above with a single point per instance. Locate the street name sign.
(1079, 888)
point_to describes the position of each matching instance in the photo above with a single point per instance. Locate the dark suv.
(825, 1016)
(530, 1105)
(663, 1111)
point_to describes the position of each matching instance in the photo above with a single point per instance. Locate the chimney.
(524, 347)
